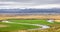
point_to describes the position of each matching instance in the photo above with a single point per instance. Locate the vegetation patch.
(18, 27)
(43, 22)
(2, 26)
(13, 26)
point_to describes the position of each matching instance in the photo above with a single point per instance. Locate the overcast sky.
(29, 3)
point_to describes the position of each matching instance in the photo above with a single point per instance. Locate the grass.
(16, 27)
(44, 22)
(13, 26)
(54, 28)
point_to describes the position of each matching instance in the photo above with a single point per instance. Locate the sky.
(29, 4)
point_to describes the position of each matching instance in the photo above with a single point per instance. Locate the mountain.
(53, 10)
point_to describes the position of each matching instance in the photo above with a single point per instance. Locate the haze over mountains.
(53, 10)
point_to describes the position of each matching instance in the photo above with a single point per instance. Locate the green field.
(14, 26)
(44, 22)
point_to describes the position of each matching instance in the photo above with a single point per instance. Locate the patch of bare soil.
(57, 20)
(32, 16)
(1, 25)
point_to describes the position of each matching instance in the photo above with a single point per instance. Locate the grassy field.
(44, 22)
(13, 26)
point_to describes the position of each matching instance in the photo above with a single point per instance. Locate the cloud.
(45, 6)
(29, 3)
(35, 1)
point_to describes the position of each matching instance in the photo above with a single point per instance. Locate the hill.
(53, 10)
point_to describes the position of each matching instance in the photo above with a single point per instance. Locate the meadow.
(16, 25)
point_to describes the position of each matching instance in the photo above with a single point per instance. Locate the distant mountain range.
(53, 10)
